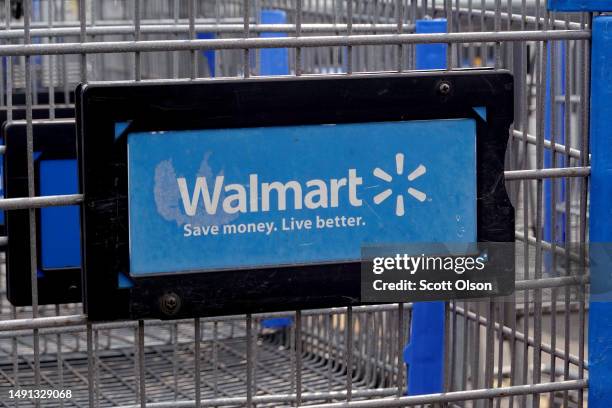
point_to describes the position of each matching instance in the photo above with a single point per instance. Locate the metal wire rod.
(560, 148)
(39, 202)
(283, 42)
(75, 320)
(15, 106)
(556, 282)
(114, 22)
(203, 28)
(42, 121)
(41, 322)
(457, 396)
(538, 174)
(267, 399)
(521, 337)
(530, 20)
(558, 249)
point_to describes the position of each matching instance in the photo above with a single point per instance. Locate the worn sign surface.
(206, 200)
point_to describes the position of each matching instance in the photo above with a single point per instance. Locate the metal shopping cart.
(527, 350)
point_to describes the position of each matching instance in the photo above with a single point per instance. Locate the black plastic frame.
(54, 139)
(256, 103)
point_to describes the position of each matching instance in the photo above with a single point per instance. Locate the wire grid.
(528, 350)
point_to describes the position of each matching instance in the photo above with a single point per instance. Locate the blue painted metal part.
(600, 232)
(273, 61)
(580, 5)
(424, 355)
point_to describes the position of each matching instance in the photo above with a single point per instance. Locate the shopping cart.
(527, 350)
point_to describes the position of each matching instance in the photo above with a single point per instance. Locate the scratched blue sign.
(206, 200)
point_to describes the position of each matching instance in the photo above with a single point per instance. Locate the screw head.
(170, 303)
(444, 88)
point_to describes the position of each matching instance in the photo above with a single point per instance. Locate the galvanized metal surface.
(525, 351)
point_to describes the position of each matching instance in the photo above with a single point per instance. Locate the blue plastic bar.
(2, 178)
(209, 55)
(273, 61)
(600, 221)
(424, 355)
(59, 226)
(431, 56)
(276, 323)
(580, 5)
(554, 233)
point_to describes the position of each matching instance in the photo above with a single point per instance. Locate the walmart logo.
(399, 198)
(209, 194)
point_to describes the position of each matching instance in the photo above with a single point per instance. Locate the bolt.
(170, 303)
(444, 88)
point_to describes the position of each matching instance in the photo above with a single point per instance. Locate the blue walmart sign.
(207, 200)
